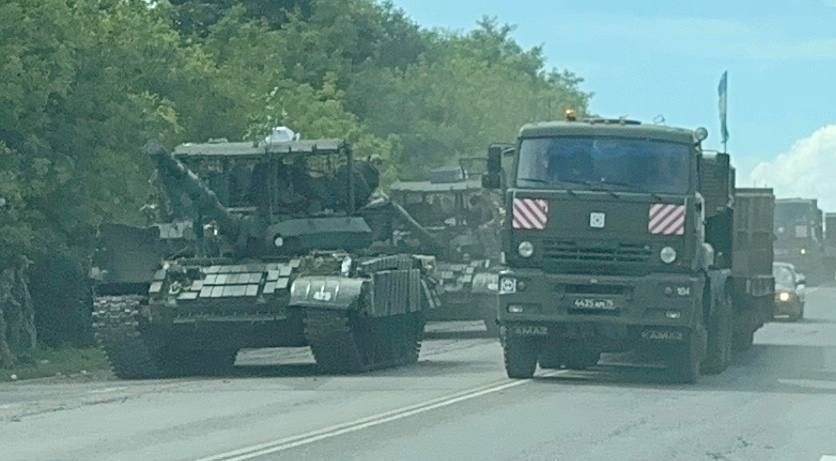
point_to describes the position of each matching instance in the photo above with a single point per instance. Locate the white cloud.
(807, 170)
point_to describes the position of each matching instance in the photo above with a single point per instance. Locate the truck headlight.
(784, 296)
(278, 241)
(667, 255)
(525, 249)
(507, 285)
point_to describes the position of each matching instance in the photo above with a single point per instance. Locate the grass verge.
(58, 361)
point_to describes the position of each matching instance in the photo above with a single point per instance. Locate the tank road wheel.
(720, 334)
(117, 329)
(684, 360)
(520, 357)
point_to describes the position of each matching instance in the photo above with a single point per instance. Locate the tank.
(249, 245)
(456, 211)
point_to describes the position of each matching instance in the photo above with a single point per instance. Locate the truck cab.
(799, 238)
(618, 236)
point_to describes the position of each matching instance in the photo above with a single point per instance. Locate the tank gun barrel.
(183, 180)
(422, 234)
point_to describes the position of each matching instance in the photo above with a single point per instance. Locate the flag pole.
(722, 93)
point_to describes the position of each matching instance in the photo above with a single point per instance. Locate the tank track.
(116, 328)
(346, 342)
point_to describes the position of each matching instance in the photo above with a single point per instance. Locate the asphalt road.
(777, 402)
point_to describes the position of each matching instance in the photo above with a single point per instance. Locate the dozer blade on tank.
(260, 245)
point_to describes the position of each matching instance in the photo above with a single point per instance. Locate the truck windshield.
(796, 221)
(604, 163)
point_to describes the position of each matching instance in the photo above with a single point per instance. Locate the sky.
(646, 58)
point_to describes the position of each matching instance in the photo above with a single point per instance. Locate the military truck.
(452, 205)
(799, 236)
(622, 236)
(260, 245)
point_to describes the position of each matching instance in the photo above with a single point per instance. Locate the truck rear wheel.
(520, 357)
(684, 361)
(720, 332)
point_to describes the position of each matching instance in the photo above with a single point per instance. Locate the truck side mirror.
(493, 178)
(491, 181)
(495, 159)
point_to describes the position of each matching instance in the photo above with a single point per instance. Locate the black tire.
(720, 339)
(743, 341)
(684, 361)
(520, 357)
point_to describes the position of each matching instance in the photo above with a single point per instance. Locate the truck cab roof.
(606, 127)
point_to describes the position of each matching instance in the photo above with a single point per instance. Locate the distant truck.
(830, 245)
(799, 237)
(621, 236)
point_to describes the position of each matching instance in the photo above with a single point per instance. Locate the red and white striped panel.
(530, 213)
(666, 219)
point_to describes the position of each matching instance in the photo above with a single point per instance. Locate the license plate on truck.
(602, 304)
(529, 330)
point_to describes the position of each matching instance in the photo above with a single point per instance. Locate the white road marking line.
(828, 458)
(108, 390)
(287, 443)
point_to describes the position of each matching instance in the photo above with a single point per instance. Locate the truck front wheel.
(520, 357)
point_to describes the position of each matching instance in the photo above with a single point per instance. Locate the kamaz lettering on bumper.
(662, 335)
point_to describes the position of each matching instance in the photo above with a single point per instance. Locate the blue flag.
(722, 90)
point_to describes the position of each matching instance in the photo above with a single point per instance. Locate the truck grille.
(569, 251)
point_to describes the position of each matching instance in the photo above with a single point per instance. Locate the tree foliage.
(87, 82)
